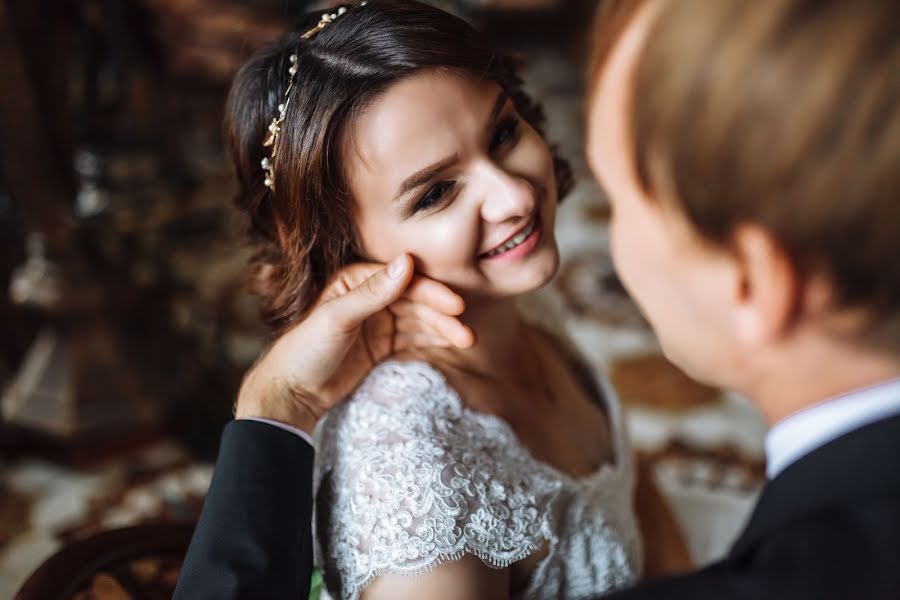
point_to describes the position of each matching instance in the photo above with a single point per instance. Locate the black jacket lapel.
(864, 463)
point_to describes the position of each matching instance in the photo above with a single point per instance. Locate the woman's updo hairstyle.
(303, 228)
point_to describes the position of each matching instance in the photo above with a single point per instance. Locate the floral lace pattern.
(415, 479)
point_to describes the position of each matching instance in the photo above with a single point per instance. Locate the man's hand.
(367, 313)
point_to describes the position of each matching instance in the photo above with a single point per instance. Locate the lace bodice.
(408, 478)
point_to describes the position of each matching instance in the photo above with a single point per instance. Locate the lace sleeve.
(410, 479)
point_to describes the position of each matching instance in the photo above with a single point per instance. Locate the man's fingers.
(422, 289)
(347, 279)
(405, 341)
(351, 299)
(385, 286)
(436, 295)
(413, 318)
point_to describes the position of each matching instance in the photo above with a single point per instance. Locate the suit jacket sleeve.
(254, 536)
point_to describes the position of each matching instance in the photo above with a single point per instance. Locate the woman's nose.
(506, 196)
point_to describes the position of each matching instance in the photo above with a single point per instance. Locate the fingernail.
(397, 267)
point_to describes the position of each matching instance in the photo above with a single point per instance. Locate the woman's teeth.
(513, 242)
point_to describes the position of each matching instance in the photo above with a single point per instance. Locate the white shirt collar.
(799, 434)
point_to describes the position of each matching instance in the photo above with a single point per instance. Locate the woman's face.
(442, 167)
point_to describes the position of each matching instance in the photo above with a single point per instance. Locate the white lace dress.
(408, 478)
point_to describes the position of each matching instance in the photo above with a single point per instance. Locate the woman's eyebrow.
(425, 174)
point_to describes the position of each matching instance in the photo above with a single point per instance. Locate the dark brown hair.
(783, 113)
(304, 230)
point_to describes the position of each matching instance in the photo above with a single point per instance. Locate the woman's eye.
(505, 134)
(434, 195)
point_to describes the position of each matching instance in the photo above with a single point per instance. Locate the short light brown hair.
(784, 113)
(611, 20)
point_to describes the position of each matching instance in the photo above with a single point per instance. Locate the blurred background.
(124, 324)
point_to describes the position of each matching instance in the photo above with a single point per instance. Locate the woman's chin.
(535, 274)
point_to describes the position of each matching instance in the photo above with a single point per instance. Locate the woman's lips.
(522, 249)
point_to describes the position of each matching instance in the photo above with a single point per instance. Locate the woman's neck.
(497, 326)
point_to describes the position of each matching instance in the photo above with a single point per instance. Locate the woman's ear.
(769, 288)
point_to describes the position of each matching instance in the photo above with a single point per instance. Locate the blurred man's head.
(751, 153)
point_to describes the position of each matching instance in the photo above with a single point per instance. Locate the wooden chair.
(133, 563)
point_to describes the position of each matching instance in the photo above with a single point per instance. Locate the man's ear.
(768, 286)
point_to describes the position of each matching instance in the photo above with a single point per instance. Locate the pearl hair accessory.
(275, 126)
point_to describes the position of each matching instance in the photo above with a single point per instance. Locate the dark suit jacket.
(828, 527)
(254, 538)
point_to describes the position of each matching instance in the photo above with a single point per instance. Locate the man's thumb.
(384, 287)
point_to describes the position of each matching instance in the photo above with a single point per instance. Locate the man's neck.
(803, 432)
(817, 374)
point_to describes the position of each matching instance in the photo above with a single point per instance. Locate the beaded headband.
(268, 163)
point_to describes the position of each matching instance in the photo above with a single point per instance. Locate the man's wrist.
(276, 401)
(298, 432)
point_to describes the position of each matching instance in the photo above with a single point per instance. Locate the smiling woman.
(345, 122)
(496, 471)
(482, 185)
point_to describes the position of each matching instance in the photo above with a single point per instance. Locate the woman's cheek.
(447, 246)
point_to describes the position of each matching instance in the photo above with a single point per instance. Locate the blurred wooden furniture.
(107, 366)
(665, 549)
(134, 563)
